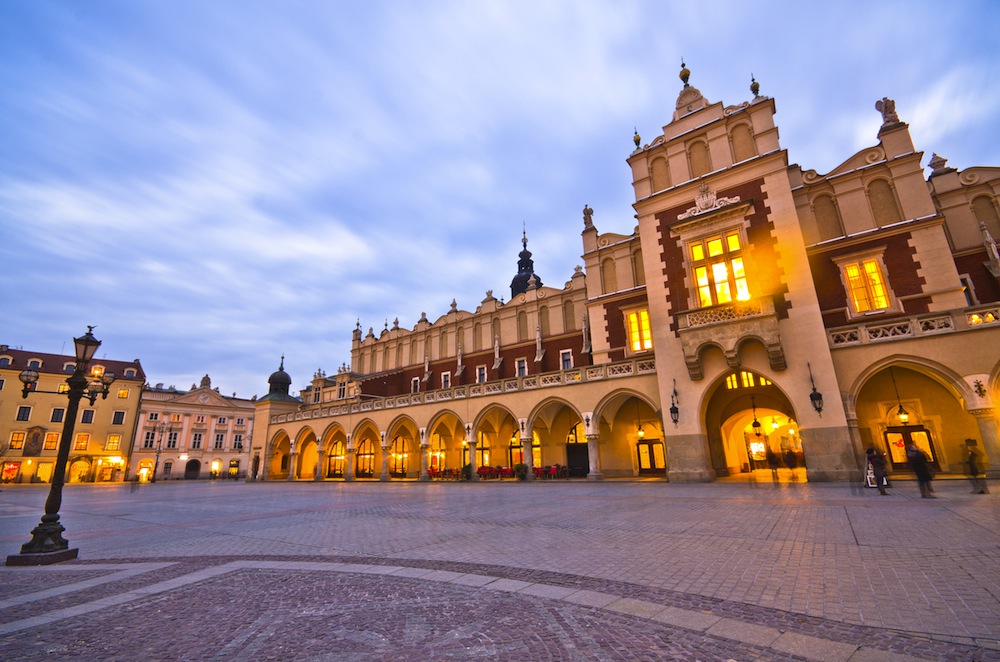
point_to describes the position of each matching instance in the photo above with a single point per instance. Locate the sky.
(215, 185)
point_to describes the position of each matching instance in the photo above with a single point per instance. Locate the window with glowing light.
(398, 458)
(51, 441)
(640, 335)
(82, 441)
(717, 263)
(17, 440)
(113, 443)
(864, 278)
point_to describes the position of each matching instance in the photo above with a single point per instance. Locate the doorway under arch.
(192, 470)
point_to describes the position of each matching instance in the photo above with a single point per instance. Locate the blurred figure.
(877, 461)
(773, 461)
(977, 476)
(917, 460)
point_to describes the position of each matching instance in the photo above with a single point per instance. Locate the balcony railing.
(638, 366)
(919, 326)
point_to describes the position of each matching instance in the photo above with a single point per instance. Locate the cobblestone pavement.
(553, 570)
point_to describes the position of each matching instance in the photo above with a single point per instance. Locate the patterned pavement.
(553, 570)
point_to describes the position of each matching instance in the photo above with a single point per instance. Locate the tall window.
(341, 390)
(114, 442)
(82, 440)
(196, 440)
(415, 385)
(566, 359)
(640, 337)
(481, 374)
(149, 439)
(51, 441)
(866, 285)
(719, 272)
(171, 440)
(446, 380)
(220, 439)
(522, 367)
(17, 440)
(87, 416)
(237, 442)
(118, 418)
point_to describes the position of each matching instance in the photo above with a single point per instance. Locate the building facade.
(30, 428)
(758, 315)
(192, 434)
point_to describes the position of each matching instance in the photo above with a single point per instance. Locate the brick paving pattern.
(549, 571)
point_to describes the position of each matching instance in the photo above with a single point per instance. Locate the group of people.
(919, 463)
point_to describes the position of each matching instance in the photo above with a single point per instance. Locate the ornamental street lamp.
(47, 545)
(159, 448)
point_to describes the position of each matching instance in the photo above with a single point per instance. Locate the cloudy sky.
(215, 184)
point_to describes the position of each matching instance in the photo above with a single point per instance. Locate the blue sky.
(215, 184)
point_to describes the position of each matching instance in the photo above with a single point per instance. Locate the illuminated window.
(114, 442)
(51, 441)
(640, 336)
(866, 286)
(63, 388)
(719, 271)
(82, 440)
(122, 393)
(16, 440)
(745, 379)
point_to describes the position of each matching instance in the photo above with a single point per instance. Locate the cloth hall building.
(758, 314)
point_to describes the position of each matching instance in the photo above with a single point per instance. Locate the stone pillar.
(384, 476)
(350, 463)
(293, 456)
(687, 458)
(425, 450)
(987, 422)
(473, 469)
(321, 467)
(594, 456)
(529, 456)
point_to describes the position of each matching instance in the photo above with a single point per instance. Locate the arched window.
(365, 459)
(985, 210)
(609, 280)
(337, 456)
(701, 162)
(398, 458)
(743, 143)
(569, 317)
(660, 174)
(638, 273)
(828, 223)
(883, 203)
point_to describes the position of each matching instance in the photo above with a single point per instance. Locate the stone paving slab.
(685, 571)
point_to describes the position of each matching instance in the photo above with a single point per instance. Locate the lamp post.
(159, 444)
(47, 545)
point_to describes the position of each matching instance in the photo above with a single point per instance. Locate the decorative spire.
(685, 74)
(525, 269)
(754, 86)
(636, 139)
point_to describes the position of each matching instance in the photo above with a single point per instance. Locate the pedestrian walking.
(774, 462)
(977, 475)
(877, 461)
(917, 460)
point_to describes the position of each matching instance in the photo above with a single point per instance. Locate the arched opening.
(337, 459)
(192, 470)
(365, 459)
(279, 462)
(752, 430)
(399, 458)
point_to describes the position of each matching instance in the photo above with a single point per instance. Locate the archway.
(192, 470)
(279, 464)
(752, 430)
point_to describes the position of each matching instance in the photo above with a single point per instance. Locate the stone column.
(529, 456)
(321, 467)
(350, 463)
(293, 456)
(425, 450)
(384, 476)
(473, 469)
(987, 422)
(594, 455)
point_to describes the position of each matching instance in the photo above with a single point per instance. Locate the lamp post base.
(46, 546)
(43, 558)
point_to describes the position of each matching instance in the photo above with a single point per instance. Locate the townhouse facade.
(193, 434)
(31, 427)
(756, 311)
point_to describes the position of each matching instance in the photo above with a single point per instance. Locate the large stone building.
(758, 312)
(192, 434)
(30, 428)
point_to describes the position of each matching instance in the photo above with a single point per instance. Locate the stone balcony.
(727, 327)
(916, 326)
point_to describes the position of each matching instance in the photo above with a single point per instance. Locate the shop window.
(640, 336)
(719, 270)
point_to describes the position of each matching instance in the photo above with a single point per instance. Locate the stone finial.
(636, 139)
(395, 324)
(939, 165)
(454, 306)
(754, 86)
(685, 73)
(887, 107)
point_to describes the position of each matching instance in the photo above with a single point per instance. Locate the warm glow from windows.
(82, 440)
(866, 286)
(719, 271)
(745, 379)
(51, 441)
(639, 335)
(17, 440)
(114, 442)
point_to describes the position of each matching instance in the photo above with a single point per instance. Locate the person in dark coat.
(976, 474)
(879, 468)
(917, 460)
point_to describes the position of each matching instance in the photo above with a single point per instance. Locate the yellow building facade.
(757, 316)
(30, 428)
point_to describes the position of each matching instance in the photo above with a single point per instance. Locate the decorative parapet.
(913, 327)
(727, 327)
